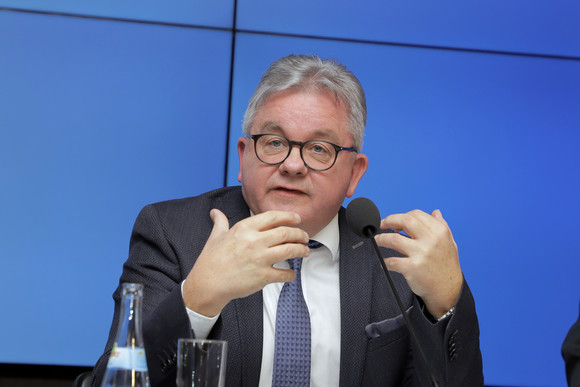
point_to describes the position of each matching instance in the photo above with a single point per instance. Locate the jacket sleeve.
(451, 345)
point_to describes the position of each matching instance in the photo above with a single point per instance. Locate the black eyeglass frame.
(337, 148)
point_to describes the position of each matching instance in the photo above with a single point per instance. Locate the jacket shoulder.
(229, 200)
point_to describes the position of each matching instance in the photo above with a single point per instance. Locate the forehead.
(303, 114)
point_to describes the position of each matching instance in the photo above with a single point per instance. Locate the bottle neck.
(129, 329)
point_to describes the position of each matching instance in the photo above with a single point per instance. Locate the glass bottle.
(127, 365)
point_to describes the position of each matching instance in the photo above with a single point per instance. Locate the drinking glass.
(201, 363)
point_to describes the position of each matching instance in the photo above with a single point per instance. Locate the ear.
(242, 142)
(359, 167)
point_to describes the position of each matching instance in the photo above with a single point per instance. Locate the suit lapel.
(355, 302)
(251, 337)
(356, 286)
(244, 330)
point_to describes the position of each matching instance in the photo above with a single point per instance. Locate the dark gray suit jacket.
(375, 346)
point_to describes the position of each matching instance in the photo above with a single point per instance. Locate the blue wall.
(473, 109)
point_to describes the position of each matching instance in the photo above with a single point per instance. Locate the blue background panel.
(100, 117)
(490, 140)
(97, 119)
(535, 26)
(209, 13)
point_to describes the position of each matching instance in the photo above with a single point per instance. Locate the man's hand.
(431, 266)
(238, 261)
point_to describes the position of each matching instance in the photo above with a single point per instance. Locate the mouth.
(288, 191)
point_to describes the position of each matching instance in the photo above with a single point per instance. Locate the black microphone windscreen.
(363, 217)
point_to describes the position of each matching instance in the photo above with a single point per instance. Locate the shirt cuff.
(200, 324)
(430, 317)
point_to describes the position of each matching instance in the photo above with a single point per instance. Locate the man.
(571, 354)
(214, 266)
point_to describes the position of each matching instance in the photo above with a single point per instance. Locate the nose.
(294, 164)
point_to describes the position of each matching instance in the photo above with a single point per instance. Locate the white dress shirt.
(320, 284)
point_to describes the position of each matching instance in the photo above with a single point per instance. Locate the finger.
(397, 242)
(221, 223)
(439, 216)
(407, 222)
(284, 234)
(285, 251)
(432, 221)
(283, 275)
(270, 219)
(400, 265)
(416, 223)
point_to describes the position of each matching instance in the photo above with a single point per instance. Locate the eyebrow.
(318, 134)
(271, 126)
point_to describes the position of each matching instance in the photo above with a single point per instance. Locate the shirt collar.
(329, 236)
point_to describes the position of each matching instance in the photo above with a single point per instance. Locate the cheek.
(332, 191)
(247, 169)
(247, 176)
(253, 182)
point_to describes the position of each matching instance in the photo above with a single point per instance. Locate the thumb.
(221, 223)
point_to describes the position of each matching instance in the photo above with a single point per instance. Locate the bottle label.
(128, 359)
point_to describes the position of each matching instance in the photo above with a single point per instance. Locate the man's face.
(291, 186)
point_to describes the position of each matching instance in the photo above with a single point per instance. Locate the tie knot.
(296, 263)
(314, 244)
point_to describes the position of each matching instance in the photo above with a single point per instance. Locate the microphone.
(364, 218)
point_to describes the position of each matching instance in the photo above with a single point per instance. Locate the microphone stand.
(369, 233)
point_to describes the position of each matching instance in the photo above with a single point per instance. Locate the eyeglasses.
(318, 155)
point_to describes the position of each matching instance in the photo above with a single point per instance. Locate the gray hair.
(301, 72)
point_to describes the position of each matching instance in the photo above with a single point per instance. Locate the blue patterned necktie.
(292, 348)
